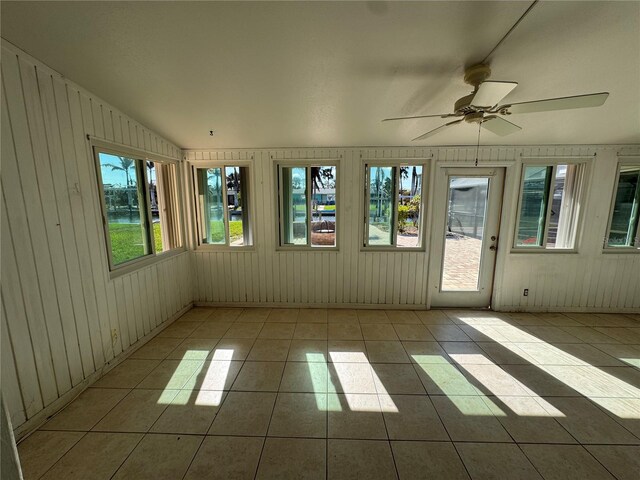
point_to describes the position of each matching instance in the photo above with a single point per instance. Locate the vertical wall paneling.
(63, 318)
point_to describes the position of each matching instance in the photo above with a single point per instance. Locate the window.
(393, 205)
(623, 224)
(549, 206)
(307, 202)
(222, 205)
(140, 206)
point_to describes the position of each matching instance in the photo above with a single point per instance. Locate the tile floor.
(369, 394)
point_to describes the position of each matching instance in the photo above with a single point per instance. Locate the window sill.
(392, 249)
(623, 250)
(552, 251)
(225, 248)
(303, 248)
(139, 264)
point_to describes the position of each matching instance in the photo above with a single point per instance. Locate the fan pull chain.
(478, 143)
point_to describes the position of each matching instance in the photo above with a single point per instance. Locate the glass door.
(467, 207)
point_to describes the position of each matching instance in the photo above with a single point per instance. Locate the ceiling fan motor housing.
(477, 74)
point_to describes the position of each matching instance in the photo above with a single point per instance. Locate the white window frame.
(395, 164)
(97, 147)
(197, 236)
(584, 179)
(626, 248)
(306, 164)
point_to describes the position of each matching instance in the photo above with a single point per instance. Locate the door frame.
(496, 194)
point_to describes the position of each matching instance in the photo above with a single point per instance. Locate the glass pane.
(323, 206)
(294, 205)
(154, 199)
(564, 207)
(624, 219)
(125, 208)
(409, 206)
(211, 205)
(235, 203)
(533, 207)
(465, 228)
(381, 180)
(163, 195)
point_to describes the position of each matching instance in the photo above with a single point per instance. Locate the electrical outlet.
(525, 292)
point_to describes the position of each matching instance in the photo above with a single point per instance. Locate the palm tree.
(125, 165)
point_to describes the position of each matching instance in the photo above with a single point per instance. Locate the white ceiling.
(325, 74)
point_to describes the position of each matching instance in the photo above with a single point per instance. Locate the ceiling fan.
(481, 106)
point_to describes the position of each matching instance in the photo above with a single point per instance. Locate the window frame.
(141, 157)
(395, 163)
(632, 162)
(552, 162)
(222, 164)
(306, 164)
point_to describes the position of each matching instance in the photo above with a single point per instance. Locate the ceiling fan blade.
(442, 115)
(437, 130)
(500, 126)
(490, 93)
(561, 103)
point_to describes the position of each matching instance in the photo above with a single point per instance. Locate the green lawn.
(217, 231)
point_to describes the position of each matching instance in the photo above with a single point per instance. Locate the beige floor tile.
(224, 458)
(156, 348)
(194, 349)
(396, 379)
(40, 450)
(558, 319)
(493, 380)
(372, 316)
(411, 417)
(355, 416)
(293, 458)
(127, 374)
(504, 353)
(190, 412)
(629, 354)
(299, 415)
(225, 314)
(347, 351)
(179, 330)
(351, 378)
(589, 335)
(444, 379)
(211, 330)
(284, 315)
(279, 331)
(466, 353)
(97, 456)
(403, 317)
(304, 377)
(565, 462)
(313, 315)
(254, 315)
(244, 330)
(344, 331)
(172, 374)
(622, 461)
(197, 314)
(307, 351)
(216, 375)
(538, 382)
(588, 424)
(426, 352)
(469, 419)
(496, 461)
(529, 419)
(550, 334)
(448, 333)
(269, 350)
(623, 335)
(310, 331)
(86, 410)
(259, 377)
(378, 331)
(160, 457)
(414, 333)
(136, 412)
(342, 315)
(232, 348)
(428, 460)
(386, 351)
(628, 375)
(433, 317)
(244, 413)
(360, 459)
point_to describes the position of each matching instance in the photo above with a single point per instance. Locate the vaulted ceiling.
(324, 74)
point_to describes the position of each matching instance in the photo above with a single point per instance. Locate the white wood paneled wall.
(63, 319)
(587, 280)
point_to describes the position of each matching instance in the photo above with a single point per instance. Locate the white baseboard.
(411, 306)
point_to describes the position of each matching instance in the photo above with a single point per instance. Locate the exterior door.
(467, 208)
